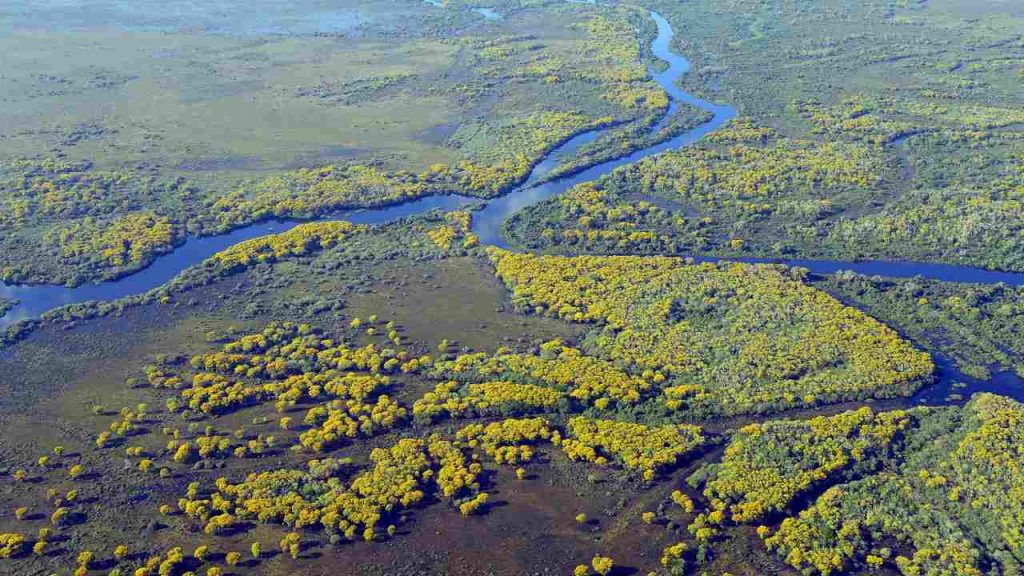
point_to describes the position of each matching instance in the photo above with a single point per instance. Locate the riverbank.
(33, 301)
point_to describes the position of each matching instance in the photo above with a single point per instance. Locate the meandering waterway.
(33, 300)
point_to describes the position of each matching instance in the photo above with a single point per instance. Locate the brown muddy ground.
(64, 384)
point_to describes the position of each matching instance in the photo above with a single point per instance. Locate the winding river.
(33, 300)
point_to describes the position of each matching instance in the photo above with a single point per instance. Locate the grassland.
(201, 320)
(879, 130)
(311, 369)
(199, 130)
(400, 400)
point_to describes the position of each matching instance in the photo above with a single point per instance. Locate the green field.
(399, 399)
(279, 352)
(203, 130)
(877, 130)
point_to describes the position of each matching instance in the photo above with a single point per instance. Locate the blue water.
(36, 299)
(33, 300)
(487, 222)
(953, 386)
(487, 13)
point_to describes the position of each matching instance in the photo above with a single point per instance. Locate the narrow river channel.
(33, 300)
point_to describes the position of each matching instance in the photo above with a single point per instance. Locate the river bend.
(33, 300)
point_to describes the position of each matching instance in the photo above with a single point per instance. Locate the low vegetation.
(950, 505)
(977, 326)
(399, 399)
(719, 339)
(888, 131)
(73, 213)
(296, 438)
